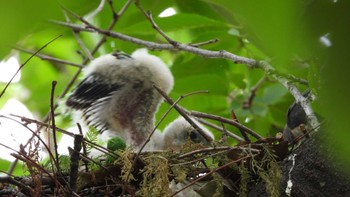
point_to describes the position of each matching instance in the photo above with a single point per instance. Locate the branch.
(183, 114)
(52, 110)
(214, 126)
(211, 172)
(228, 121)
(74, 165)
(247, 104)
(40, 49)
(48, 58)
(299, 98)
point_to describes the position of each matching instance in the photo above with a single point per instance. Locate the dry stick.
(205, 150)
(99, 9)
(52, 110)
(183, 114)
(96, 146)
(211, 149)
(79, 41)
(21, 186)
(204, 43)
(244, 134)
(209, 173)
(214, 126)
(41, 48)
(148, 15)
(25, 158)
(34, 134)
(248, 102)
(47, 57)
(74, 162)
(200, 159)
(93, 161)
(84, 148)
(228, 121)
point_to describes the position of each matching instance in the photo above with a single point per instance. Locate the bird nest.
(194, 169)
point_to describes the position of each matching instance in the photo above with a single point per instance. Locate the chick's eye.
(193, 136)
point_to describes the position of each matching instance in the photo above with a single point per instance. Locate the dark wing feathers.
(90, 90)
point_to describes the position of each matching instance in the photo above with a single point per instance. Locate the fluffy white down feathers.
(117, 97)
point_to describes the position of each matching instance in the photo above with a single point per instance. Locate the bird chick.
(295, 121)
(117, 95)
(178, 132)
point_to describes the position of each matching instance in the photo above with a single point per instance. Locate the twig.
(199, 159)
(21, 186)
(223, 134)
(41, 48)
(48, 58)
(34, 134)
(79, 41)
(110, 3)
(247, 104)
(243, 132)
(183, 114)
(214, 126)
(209, 173)
(205, 150)
(96, 146)
(211, 149)
(74, 162)
(148, 15)
(96, 11)
(231, 122)
(54, 125)
(84, 147)
(204, 43)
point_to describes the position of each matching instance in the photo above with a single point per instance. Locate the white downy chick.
(117, 94)
(178, 132)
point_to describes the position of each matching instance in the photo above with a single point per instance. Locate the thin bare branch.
(74, 164)
(209, 173)
(214, 126)
(48, 58)
(243, 132)
(52, 109)
(99, 9)
(228, 121)
(20, 68)
(204, 43)
(183, 114)
(247, 104)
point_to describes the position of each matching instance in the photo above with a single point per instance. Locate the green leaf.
(273, 94)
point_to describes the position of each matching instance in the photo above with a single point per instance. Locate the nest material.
(218, 171)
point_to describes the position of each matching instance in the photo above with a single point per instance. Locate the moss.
(155, 177)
